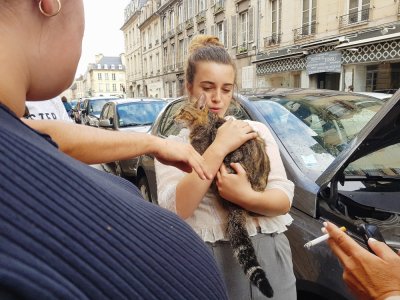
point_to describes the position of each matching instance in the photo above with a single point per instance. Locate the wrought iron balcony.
(219, 7)
(304, 31)
(242, 49)
(179, 28)
(201, 16)
(189, 23)
(272, 40)
(356, 17)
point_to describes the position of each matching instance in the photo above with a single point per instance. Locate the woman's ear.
(189, 88)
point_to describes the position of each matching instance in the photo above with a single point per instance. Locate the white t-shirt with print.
(52, 109)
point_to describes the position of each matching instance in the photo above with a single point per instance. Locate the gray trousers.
(275, 257)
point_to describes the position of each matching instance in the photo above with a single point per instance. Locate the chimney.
(99, 57)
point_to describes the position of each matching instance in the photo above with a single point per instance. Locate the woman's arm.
(190, 190)
(92, 145)
(276, 199)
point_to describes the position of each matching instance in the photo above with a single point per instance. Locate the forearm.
(272, 202)
(191, 190)
(93, 145)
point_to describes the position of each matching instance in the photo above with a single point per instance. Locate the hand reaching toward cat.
(182, 156)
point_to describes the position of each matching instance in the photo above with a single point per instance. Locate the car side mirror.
(105, 123)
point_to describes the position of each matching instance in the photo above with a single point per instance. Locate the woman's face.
(216, 82)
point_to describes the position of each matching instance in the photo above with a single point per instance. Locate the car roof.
(376, 95)
(131, 100)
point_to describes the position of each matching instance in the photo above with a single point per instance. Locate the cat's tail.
(244, 251)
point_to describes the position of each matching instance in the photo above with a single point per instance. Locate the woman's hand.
(182, 156)
(235, 188)
(368, 276)
(232, 134)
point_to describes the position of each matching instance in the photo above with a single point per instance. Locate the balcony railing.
(272, 40)
(179, 28)
(242, 49)
(201, 17)
(179, 66)
(356, 17)
(304, 31)
(189, 23)
(219, 7)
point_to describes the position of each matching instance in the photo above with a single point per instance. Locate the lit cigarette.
(320, 239)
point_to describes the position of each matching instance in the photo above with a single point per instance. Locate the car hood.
(136, 128)
(381, 131)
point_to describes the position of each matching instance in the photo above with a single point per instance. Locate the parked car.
(341, 151)
(91, 109)
(129, 115)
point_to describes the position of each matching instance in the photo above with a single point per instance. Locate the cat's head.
(193, 113)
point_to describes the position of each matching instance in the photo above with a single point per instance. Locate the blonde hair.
(206, 48)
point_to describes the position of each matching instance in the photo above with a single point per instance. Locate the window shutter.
(234, 33)
(251, 24)
(226, 33)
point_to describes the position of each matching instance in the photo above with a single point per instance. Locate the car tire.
(143, 186)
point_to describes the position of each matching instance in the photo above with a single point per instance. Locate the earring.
(46, 14)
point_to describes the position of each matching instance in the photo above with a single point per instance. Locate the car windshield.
(95, 106)
(315, 128)
(139, 113)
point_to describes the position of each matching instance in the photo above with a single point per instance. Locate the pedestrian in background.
(211, 72)
(52, 109)
(67, 105)
(69, 231)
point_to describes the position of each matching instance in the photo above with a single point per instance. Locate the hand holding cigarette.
(320, 239)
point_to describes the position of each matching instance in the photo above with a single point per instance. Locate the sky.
(103, 20)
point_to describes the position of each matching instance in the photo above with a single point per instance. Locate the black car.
(132, 114)
(341, 151)
(91, 108)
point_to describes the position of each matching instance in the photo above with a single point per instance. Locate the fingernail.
(323, 230)
(325, 224)
(372, 240)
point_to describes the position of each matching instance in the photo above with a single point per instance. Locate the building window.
(98, 66)
(113, 76)
(100, 87)
(189, 13)
(114, 87)
(99, 77)
(120, 67)
(358, 11)
(180, 14)
(243, 31)
(112, 67)
(165, 29)
(309, 16)
(202, 5)
(172, 20)
(106, 76)
(276, 17)
(107, 87)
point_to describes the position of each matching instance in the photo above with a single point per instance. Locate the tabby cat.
(203, 126)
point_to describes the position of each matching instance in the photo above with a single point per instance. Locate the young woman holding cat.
(211, 73)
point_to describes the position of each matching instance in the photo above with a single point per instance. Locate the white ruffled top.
(209, 220)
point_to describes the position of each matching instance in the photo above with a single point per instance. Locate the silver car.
(132, 114)
(342, 152)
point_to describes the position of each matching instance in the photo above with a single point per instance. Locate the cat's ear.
(201, 102)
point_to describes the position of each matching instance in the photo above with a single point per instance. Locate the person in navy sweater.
(95, 237)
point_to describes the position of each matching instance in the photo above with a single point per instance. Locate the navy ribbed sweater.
(69, 231)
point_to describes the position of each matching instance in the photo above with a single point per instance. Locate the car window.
(168, 126)
(139, 113)
(95, 106)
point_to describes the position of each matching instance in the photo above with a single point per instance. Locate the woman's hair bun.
(203, 40)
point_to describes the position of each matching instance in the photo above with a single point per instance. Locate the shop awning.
(392, 36)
